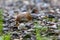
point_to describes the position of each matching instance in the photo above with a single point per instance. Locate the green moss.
(1, 21)
(38, 29)
(7, 37)
(38, 36)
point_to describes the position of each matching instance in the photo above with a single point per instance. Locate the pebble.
(21, 26)
(15, 39)
(56, 31)
(5, 29)
(53, 26)
(5, 25)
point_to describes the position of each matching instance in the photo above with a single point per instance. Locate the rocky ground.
(45, 24)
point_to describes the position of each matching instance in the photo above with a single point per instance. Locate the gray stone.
(5, 29)
(21, 26)
(5, 25)
(56, 31)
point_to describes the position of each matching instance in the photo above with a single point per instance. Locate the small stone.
(21, 26)
(5, 25)
(56, 31)
(29, 25)
(34, 16)
(53, 26)
(15, 39)
(31, 30)
(5, 29)
(6, 19)
(59, 37)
